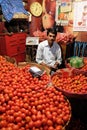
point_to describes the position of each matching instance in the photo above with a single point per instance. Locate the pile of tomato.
(27, 103)
(84, 68)
(76, 84)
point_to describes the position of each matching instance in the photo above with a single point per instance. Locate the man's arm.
(59, 58)
(39, 54)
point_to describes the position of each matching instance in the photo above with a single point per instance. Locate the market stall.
(30, 97)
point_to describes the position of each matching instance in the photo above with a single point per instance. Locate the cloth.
(10, 7)
(0, 1)
(48, 55)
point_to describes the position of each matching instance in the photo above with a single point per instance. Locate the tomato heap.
(84, 68)
(76, 84)
(23, 107)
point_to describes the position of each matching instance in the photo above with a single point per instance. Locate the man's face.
(51, 38)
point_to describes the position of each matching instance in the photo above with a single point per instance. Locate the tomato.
(9, 128)
(2, 109)
(31, 124)
(44, 121)
(49, 122)
(34, 111)
(27, 119)
(10, 118)
(23, 115)
(34, 118)
(51, 128)
(37, 123)
(65, 118)
(26, 105)
(59, 121)
(15, 127)
(39, 107)
(18, 119)
(59, 127)
(3, 123)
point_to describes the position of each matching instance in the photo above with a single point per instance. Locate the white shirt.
(48, 55)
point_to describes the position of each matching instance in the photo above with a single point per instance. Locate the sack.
(11, 60)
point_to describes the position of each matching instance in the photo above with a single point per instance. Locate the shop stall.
(30, 97)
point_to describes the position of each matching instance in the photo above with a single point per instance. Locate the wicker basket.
(70, 114)
(77, 71)
(66, 93)
(67, 63)
(22, 64)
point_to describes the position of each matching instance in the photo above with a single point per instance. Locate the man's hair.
(51, 30)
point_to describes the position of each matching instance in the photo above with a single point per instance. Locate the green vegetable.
(76, 62)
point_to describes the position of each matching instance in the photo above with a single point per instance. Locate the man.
(49, 52)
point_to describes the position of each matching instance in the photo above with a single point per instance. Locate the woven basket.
(66, 93)
(77, 71)
(67, 62)
(22, 64)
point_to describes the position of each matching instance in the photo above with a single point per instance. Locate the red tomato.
(37, 123)
(3, 123)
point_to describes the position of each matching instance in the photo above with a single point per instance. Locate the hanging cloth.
(0, 1)
(10, 7)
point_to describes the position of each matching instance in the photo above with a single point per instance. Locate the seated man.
(49, 52)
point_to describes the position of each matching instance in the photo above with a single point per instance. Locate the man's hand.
(56, 65)
(50, 67)
(45, 65)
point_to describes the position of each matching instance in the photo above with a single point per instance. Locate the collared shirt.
(48, 55)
